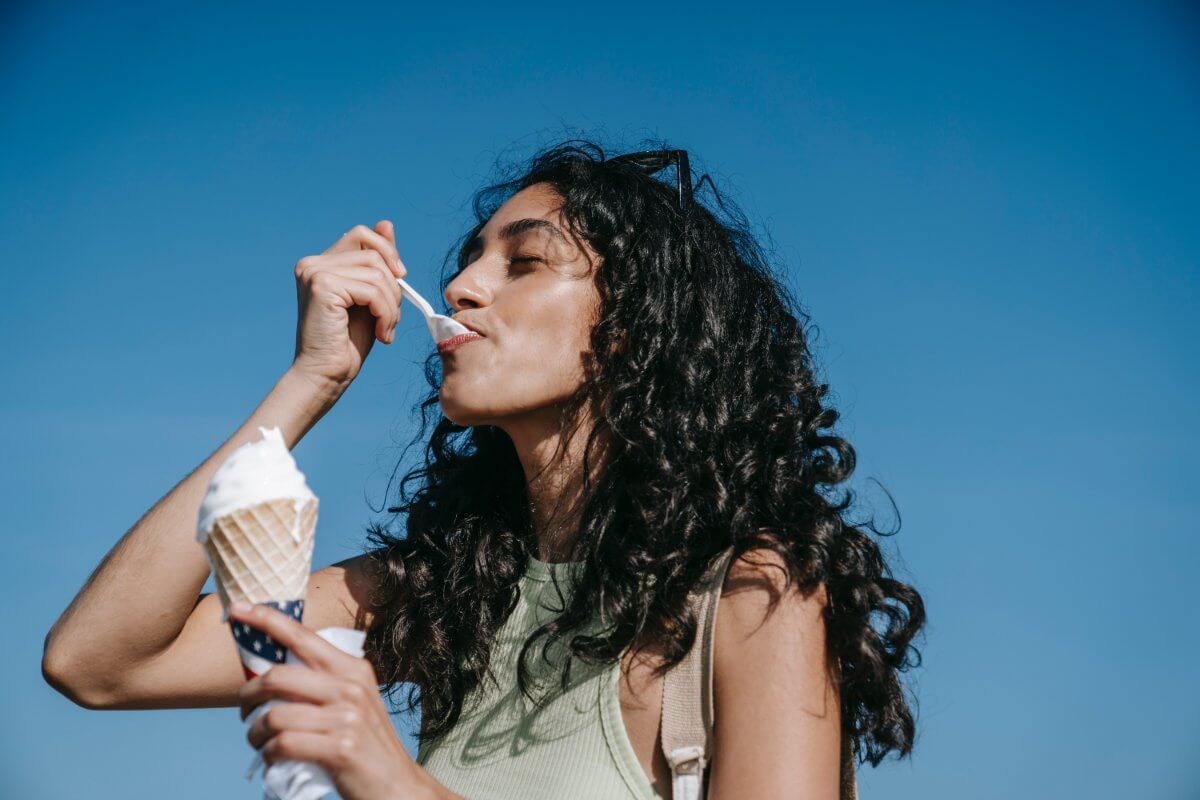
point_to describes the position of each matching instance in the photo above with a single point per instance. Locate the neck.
(552, 460)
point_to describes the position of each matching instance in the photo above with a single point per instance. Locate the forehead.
(534, 208)
(537, 209)
(539, 200)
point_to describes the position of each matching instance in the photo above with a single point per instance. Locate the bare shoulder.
(778, 720)
(341, 594)
(760, 616)
(756, 582)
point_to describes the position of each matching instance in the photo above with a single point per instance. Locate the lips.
(454, 342)
(469, 325)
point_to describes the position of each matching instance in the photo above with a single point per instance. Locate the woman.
(640, 397)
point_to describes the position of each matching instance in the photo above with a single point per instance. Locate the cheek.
(547, 359)
(561, 339)
(554, 326)
(539, 361)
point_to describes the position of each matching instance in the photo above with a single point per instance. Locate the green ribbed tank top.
(576, 746)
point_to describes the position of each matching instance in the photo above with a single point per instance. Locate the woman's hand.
(347, 297)
(340, 721)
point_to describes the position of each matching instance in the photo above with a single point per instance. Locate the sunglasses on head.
(652, 161)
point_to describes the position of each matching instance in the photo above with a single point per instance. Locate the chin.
(464, 414)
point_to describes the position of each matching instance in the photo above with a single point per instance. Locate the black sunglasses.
(652, 161)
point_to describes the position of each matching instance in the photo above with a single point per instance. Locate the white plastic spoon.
(441, 327)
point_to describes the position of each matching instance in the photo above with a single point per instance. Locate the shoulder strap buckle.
(687, 760)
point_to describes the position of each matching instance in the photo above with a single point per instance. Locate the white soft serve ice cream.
(254, 473)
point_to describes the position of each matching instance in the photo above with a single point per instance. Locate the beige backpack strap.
(687, 713)
(688, 699)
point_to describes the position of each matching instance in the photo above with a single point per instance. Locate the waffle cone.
(254, 556)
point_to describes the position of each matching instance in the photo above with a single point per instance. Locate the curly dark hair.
(711, 430)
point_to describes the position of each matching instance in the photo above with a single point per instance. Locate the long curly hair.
(710, 430)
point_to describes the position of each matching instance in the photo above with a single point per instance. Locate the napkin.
(300, 780)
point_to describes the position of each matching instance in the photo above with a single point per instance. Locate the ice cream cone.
(257, 527)
(264, 552)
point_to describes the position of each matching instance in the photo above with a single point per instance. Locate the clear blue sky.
(990, 211)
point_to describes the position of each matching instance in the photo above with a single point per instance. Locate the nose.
(465, 291)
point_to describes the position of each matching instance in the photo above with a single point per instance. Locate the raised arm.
(139, 634)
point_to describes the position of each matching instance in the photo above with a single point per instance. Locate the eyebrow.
(519, 226)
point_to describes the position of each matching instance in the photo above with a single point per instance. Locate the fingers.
(365, 266)
(288, 682)
(370, 295)
(361, 237)
(365, 247)
(331, 751)
(310, 648)
(372, 260)
(300, 717)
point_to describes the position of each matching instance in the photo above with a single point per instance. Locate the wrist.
(319, 389)
(420, 785)
(296, 403)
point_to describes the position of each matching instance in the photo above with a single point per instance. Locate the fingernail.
(240, 607)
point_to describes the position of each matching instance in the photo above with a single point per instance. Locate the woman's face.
(528, 287)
